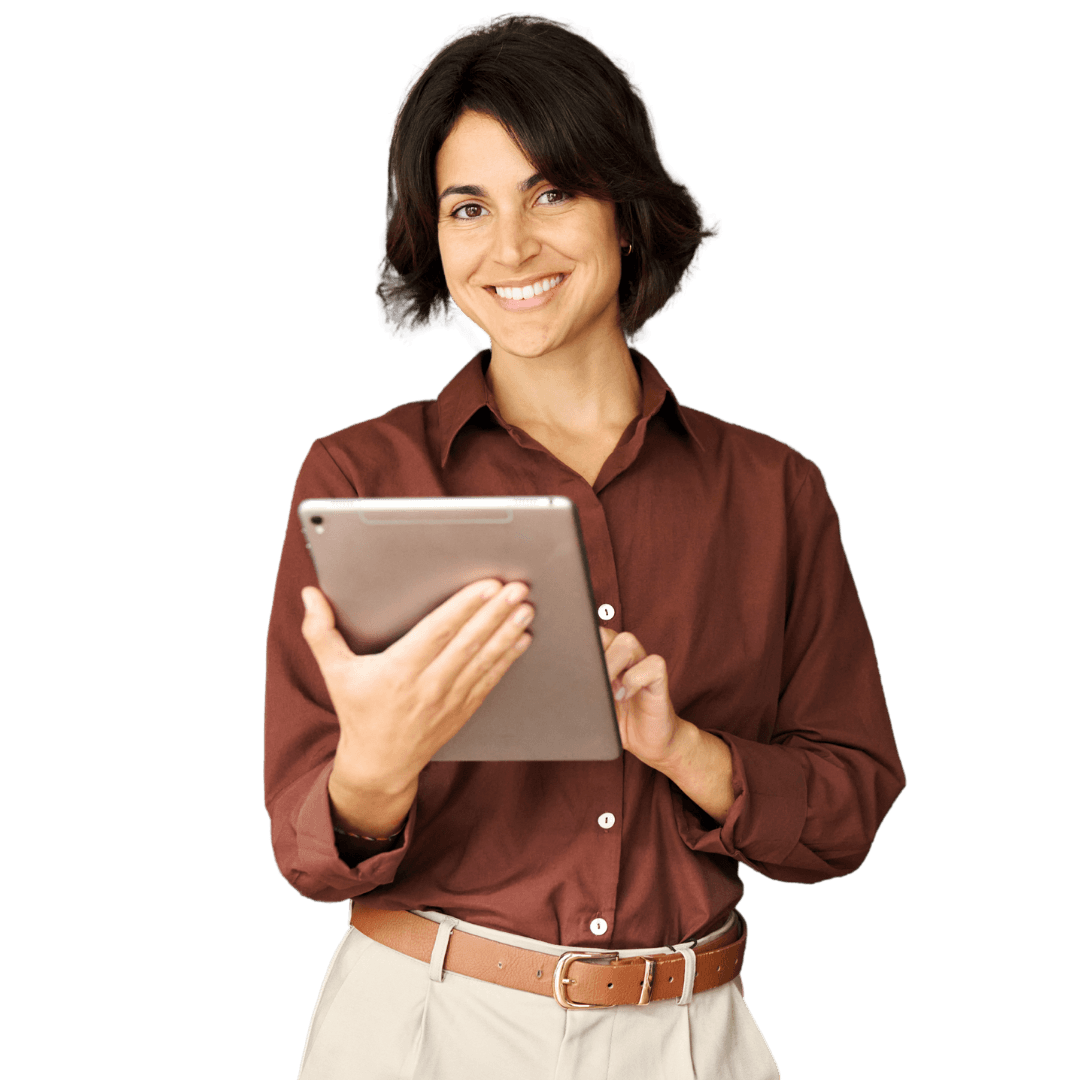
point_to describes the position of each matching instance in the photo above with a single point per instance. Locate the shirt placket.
(604, 801)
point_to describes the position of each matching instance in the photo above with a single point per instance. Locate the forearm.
(699, 764)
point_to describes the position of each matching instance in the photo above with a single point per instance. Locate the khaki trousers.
(382, 1015)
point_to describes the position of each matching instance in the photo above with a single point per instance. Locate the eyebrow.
(479, 192)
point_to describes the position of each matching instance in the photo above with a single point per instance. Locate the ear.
(621, 230)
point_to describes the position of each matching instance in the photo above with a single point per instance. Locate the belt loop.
(689, 972)
(438, 951)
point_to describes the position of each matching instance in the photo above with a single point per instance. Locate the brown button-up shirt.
(719, 549)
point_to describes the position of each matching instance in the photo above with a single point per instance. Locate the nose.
(513, 241)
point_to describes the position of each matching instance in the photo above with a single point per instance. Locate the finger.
(649, 676)
(493, 650)
(607, 636)
(487, 681)
(318, 630)
(427, 639)
(472, 638)
(624, 651)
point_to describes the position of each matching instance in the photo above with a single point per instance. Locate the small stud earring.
(626, 250)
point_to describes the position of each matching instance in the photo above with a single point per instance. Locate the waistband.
(577, 978)
(536, 945)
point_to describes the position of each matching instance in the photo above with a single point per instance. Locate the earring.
(626, 250)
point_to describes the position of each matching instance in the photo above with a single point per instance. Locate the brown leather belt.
(577, 980)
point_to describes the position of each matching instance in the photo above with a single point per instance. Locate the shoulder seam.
(326, 450)
(746, 427)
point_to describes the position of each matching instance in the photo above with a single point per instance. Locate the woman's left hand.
(648, 724)
(694, 760)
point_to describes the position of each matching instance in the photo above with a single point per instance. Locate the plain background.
(193, 200)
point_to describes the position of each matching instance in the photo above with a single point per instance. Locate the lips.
(531, 295)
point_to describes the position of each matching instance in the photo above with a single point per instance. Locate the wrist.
(375, 813)
(370, 784)
(700, 765)
(681, 752)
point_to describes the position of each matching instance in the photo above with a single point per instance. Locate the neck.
(578, 391)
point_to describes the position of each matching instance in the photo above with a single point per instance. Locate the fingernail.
(305, 597)
(516, 593)
(620, 693)
(523, 616)
(491, 590)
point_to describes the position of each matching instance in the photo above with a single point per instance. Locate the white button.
(598, 927)
(605, 821)
(605, 611)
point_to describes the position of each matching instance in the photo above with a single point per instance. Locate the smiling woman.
(587, 134)
(496, 905)
(495, 187)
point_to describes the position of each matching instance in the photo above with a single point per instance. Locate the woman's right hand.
(398, 707)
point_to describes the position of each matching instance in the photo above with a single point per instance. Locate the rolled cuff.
(765, 822)
(316, 869)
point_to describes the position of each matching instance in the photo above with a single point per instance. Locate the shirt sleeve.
(811, 794)
(301, 728)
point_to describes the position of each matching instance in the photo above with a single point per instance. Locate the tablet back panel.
(386, 563)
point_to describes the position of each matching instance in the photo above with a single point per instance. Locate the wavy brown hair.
(578, 121)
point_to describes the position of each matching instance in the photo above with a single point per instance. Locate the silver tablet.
(385, 563)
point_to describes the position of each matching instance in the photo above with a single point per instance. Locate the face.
(535, 267)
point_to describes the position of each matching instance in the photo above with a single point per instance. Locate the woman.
(526, 186)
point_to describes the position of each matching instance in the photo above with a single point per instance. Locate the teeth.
(527, 292)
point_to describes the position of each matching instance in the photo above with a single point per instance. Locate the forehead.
(479, 151)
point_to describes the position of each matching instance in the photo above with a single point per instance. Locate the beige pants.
(382, 1015)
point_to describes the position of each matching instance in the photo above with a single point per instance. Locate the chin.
(527, 346)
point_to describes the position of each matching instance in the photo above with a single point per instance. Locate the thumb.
(318, 630)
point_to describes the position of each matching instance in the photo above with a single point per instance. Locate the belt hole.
(500, 963)
(540, 974)
(610, 985)
(671, 978)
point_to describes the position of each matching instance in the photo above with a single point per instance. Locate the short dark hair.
(577, 119)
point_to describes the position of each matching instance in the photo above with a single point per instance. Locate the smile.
(527, 292)
(519, 297)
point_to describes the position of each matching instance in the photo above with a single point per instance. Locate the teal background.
(190, 228)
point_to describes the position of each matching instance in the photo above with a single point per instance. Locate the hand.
(648, 724)
(696, 761)
(398, 707)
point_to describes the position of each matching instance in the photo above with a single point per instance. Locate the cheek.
(453, 266)
(606, 239)
(610, 259)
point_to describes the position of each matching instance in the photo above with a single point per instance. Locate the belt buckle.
(560, 982)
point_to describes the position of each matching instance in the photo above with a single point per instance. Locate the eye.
(468, 211)
(554, 197)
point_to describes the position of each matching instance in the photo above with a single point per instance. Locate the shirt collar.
(468, 392)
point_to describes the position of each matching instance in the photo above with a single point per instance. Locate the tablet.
(386, 563)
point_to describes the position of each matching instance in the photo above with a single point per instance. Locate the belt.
(576, 980)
